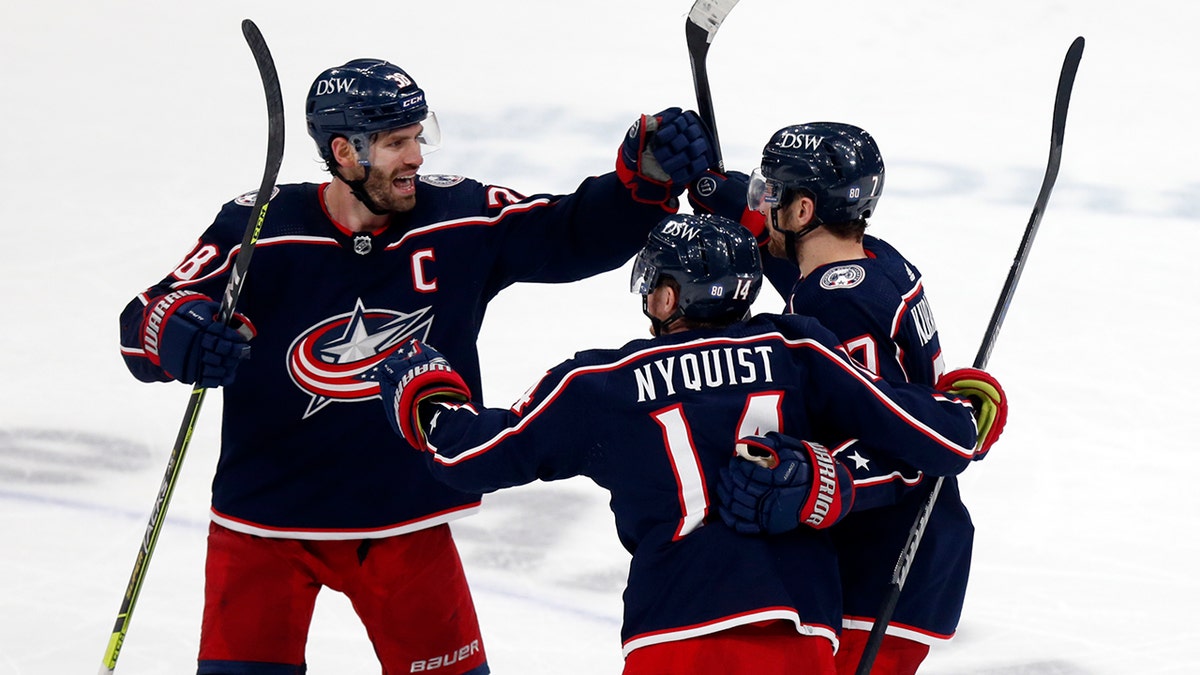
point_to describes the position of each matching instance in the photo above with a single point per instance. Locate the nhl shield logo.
(362, 244)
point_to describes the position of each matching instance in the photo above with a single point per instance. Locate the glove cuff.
(434, 379)
(161, 309)
(832, 493)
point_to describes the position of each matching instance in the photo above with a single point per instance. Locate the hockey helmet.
(714, 260)
(837, 165)
(362, 98)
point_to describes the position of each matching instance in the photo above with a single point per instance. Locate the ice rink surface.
(128, 123)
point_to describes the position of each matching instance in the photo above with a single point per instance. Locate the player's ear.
(343, 152)
(663, 300)
(671, 298)
(802, 212)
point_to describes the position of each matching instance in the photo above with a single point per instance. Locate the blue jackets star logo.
(328, 359)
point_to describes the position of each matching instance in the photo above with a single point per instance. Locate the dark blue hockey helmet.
(362, 98)
(714, 260)
(837, 165)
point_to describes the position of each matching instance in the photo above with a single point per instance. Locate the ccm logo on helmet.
(334, 85)
(788, 141)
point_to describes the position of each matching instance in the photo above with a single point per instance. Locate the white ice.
(127, 123)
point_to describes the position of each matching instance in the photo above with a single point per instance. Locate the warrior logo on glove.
(416, 375)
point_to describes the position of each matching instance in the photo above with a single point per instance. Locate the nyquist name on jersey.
(705, 369)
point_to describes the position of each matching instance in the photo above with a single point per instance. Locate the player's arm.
(597, 228)
(925, 428)
(170, 332)
(879, 480)
(472, 448)
(724, 194)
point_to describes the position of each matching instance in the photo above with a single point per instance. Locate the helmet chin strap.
(791, 238)
(659, 327)
(358, 189)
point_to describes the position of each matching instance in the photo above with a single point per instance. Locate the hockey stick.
(1066, 81)
(270, 82)
(703, 21)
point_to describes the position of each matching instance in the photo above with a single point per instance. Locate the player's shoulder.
(278, 194)
(882, 273)
(445, 181)
(889, 258)
(788, 327)
(453, 195)
(285, 202)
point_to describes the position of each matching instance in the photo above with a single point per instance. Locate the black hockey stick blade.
(275, 137)
(1058, 125)
(701, 27)
(1062, 99)
(270, 81)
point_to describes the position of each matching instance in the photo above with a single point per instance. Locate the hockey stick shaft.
(1066, 81)
(275, 133)
(701, 27)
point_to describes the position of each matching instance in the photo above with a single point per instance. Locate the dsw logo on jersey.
(328, 359)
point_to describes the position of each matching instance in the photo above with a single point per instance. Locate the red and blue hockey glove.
(725, 195)
(663, 153)
(416, 375)
(182, 336)
(775, 483)
(987, 398)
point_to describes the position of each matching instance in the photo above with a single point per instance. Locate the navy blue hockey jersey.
(304, 452)
(655, 421)
(878, 309)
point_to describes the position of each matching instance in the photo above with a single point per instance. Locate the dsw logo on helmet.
(335, 85)
(680, 229)
(791, 141)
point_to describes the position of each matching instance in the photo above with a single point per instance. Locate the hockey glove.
(415, 375)
(775, 483)
(663, 153)
(183, 337)
(725, 195)
(987, 398)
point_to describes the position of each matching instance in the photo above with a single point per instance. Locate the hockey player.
(308, 491)
(817, 185)
(655, 422)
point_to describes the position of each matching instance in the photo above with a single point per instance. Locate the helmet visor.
(763, 193)
(645, 275)
(428, 139)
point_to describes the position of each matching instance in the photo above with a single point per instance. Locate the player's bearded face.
(394, 190)
(395, 158)
(776, 244)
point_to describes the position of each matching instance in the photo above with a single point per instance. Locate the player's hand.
(724, 194)
(775, 483)
(182, 336)
(661, 154)
(988, 400)
(414, 375)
